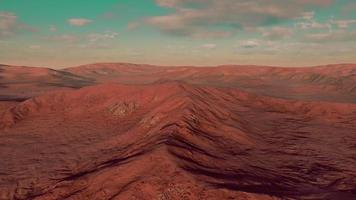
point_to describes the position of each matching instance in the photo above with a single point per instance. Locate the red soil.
(211, 134)
(335, 83)
(19, 83)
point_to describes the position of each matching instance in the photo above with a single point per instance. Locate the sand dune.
(145, 132)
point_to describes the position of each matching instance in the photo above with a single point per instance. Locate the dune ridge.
(176, 140)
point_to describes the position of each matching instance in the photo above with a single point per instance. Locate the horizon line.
(180, 66)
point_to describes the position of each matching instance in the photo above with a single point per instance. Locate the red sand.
(180, 133)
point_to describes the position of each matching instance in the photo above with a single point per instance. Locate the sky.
(64, 33)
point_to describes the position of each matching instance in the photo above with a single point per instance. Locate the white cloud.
(95, 46)
(107, 35)
(313, 25)
(99, 40)
(64, 38)
(211, 34)
(343, 23)
(8, 24)
(191, 17)
(79, 21)
(92, 39)
(331, 37)
(308, 22)
(209, 46)
(308, 15)
(35, 46)
(252, 43)
(276, 32)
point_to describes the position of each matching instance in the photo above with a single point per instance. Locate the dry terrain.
(127, 131)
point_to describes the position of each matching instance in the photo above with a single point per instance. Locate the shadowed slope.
(176, 141)
(19, 83)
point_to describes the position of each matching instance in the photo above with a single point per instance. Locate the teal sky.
(62, 33)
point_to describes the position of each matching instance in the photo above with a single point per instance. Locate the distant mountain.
(332, 83)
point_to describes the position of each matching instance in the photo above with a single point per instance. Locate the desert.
(178, 100)
(111, 131)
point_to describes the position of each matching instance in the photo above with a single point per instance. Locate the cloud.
(308, 15)
(67, 38)
(79, 21)
(97, 37)
(191, 17)
(276, 32)
(349, 8)
(91, 37)
(95, 46)
(248, 44)
(53, 28)
(35, 46)
(313, 25)
(307, 21)
(10, 25)
(175, 25)
(135, 53)
(209, 46)
(331, 37)
(101, 40)
(343, 23)
(210, 34)
(132, 25)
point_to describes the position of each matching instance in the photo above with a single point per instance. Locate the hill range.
(133, 131)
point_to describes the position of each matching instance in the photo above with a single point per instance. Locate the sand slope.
(176, 140)
(18, 83)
